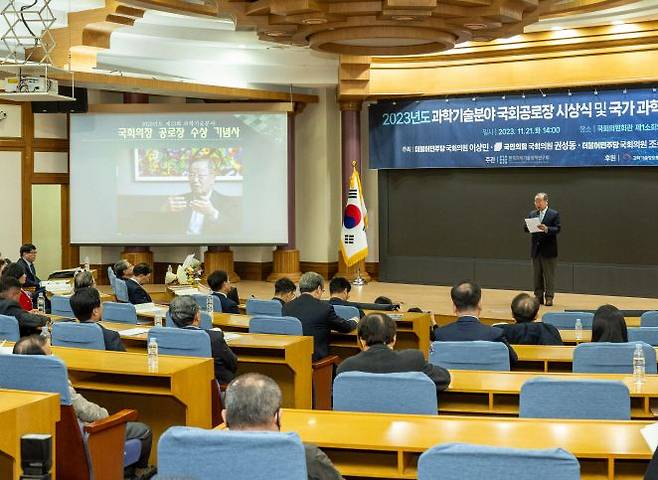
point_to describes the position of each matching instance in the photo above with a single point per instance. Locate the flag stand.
(358, 281)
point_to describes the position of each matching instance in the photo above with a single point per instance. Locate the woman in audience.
(15, 270)
(609, 325)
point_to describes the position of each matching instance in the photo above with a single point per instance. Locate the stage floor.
(495, 303)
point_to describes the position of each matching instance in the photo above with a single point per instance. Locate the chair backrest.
(61, 306)
(9, 329)
(111, 276)
(584, 399)
(119, 312)
(202, 302)
(644, 334)
(186, 452)
(121, 290)
(604, 357)
(78, 335)
(346, 311)
(407, 392)
(470, 355)
(276, 325)
(457, 461)
(36, 373)
(269, 308)
(206, 321)
(181, 341)
(649, 319)
(567, 320)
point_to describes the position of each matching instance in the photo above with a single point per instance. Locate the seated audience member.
(253, 404)
(28, 253)
(284, 290)
(339, 290)
(10, 292)
(415, 310)
(466, 298)
(88, 412)
(87, 308)
(185, 313)
(609, 325)
(318, 318)
(123, 269)
(527, 330)
(386, 303)
(136, 293)
(220, 285)
(376, 336)
(16, 270)
(83, 279)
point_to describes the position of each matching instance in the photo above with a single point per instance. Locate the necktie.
(541, 216)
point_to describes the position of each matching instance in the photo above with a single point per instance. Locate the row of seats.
(567, 320)
(415, 393)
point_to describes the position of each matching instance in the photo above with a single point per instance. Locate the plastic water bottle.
(45, 330)
(638, 364)
(210, 306)
(152, 354)
(41, 303)
(579, 329)
(157, 320)
(87, 267)
(170, 269)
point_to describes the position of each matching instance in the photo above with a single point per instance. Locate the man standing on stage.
(543, 249)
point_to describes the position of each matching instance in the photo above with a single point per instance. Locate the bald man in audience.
(527, 330)
(253, 404)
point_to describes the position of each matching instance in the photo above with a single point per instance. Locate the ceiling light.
(277, 34)
(314, 21)
(403, 18)
(557, 28)
(475, 26)
(619, 22)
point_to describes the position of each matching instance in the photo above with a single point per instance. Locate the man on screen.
(543, 249)
(201, 210)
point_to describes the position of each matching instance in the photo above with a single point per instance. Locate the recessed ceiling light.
(277, 34)
(557, 29)
(314, 21)
(475, 26)
(403, 18)
(619, 22)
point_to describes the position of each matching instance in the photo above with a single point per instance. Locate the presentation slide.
(570, 129)
(203, 178)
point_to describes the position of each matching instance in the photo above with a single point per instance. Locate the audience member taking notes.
(87, 308)
(318, 318)
(339, 289)
(284, 290)
(376, 336)
(185, 313)
(253, 403)
(88, 412)
(609, 325)
(10, 292)
(220, 285)
(527, 330)
(136, 293)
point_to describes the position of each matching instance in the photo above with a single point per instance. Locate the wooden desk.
(443, 319)
(178, 393)
(388, 446)
(569, 337)
(497, 393)
(22, 413)
(285, 358)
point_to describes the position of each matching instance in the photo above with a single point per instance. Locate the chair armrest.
(118, 418)
(326, 361)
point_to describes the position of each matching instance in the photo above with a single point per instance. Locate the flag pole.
(358, 281)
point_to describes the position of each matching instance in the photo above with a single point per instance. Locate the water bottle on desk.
(157, 320)
(41, 303)
(579, 329)
(152, 354)
(210, 305)
(45, 330)
(638, 364)
(87, 267)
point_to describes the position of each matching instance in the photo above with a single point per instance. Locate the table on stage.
(22, 413)
(178, 393)
(285, 358)
(497, 393)
(388, 446)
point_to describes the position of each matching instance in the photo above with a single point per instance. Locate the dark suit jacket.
(381, 359)
(226, 363)
(111, 338)
(470, 328)
(279, 300)
(545, 244)
(340, 301)
(32, 279)
(531, 333)
(228, 305)
(318, 319)
(136, 293)
(28, 323)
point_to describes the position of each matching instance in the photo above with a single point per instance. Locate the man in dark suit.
(318, 318)
(543, 249)
(10, 292)
(527, 330)
(284, 290)
(28, 253)
(220, 285)
(466, 298)
(87, 308)
(136, 293)
(339, 290)
(185, 313)
(376, 336)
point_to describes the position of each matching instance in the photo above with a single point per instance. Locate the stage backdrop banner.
(581, 129)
